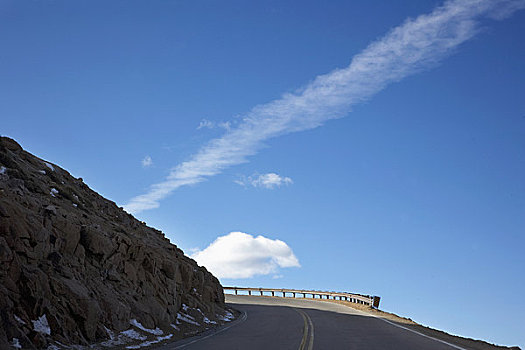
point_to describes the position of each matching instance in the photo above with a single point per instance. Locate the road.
(278, 323)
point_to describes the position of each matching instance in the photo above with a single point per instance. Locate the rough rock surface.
(75, 262)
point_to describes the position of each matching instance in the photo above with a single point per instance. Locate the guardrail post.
(376, 301)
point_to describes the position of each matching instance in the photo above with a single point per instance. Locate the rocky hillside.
(75, 269)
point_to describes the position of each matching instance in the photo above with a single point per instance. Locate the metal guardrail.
(369, 300)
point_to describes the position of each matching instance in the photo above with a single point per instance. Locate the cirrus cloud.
(241, 255)
(413, 46)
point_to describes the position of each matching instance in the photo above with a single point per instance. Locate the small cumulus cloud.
(147, 161)
(241, 255)
(269, 181)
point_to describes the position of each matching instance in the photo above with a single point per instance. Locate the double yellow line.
(308, 332)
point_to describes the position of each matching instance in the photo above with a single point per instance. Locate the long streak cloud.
(415, 45)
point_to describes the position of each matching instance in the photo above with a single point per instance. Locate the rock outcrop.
(77, 269)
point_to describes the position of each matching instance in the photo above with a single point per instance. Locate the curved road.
(278, 323)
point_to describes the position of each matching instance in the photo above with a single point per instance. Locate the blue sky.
(400, 176)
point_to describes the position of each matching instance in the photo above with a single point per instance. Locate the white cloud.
(269, 181)
(225, 125)
(205, 123)
(147, 161)
(415, 45)
(240, 255)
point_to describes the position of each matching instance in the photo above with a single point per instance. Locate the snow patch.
(75, 205)
(149, 342)
(15, 343)
(2, 171)
(49, 166)
(175, 326)
(208, 321)
(42, 172)
(41, 325)
(133, 334)
(19, 320)
(227, 317)
(53, 192)
(137, 324)
(187, 318)
(110, 333)
(185, 307)
(204, 318)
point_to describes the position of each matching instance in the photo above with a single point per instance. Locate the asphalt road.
(278, 323)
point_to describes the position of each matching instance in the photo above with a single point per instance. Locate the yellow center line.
(311, 343)
(308, 327)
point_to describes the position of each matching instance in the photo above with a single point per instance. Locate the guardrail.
(369, 300)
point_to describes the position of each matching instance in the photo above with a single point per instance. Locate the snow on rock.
(133, 334)
(227, 317)
(110, 333)
(41, 325)
(149, 342)
(15, 343)
(208, 321)
(53, 192)
(19, 320)
(187, 318)
(49, 166)
(121, 339)
(137, 324)
(204, 318)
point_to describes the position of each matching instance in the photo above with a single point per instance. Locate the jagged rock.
(88, 266)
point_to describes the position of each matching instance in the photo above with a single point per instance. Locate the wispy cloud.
(240, 255)
(147, 161)
(205, 123)
(208, 124)
(415, 45)
(269, 181)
